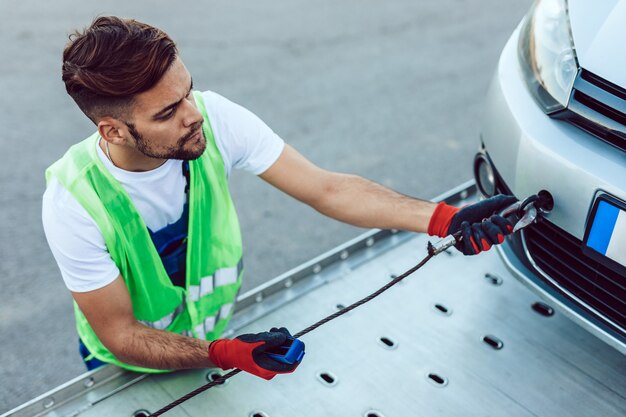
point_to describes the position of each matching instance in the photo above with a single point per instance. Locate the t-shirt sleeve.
(243, 139)
(75, 241)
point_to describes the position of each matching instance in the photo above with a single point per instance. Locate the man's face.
(165, 122)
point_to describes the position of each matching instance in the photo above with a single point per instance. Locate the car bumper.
(532, 152)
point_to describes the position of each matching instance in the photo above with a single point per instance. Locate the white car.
(555, 120)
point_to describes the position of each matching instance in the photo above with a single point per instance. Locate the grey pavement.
(388, 90)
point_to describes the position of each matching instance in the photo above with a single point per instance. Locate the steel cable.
(301, 333)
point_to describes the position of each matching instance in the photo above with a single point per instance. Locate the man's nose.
(192, 115)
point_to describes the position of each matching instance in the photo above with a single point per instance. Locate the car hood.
(599, 32)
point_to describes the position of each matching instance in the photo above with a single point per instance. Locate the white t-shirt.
(244, 142)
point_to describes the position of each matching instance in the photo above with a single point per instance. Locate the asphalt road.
(388, 90)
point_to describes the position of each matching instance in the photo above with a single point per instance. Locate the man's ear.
(112, 130)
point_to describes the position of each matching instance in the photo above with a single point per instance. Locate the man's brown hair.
(111, 61)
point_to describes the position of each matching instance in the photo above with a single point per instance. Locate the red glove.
(478, 224)
(248, 352)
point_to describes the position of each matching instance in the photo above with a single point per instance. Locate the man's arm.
(348, 198)
(110, 314)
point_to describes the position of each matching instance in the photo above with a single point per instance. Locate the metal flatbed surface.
(437, 365)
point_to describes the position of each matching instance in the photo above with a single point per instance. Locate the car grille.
(598, 107)
(559, 255)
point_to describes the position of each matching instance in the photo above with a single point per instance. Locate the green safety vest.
(214, 250)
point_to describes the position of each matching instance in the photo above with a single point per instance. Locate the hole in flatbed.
(388, 342)
(438, 380)
(327, 378)
(443, 309)
(49, 402)
(213, 376)
(493, 279)
(141, 413)
(340, 306)
(259, 414)
(493, 341)
(373, 413)
(543, 309)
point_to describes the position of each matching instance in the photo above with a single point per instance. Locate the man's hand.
(479, 226)
(249, 352)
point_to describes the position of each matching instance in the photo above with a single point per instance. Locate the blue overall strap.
(171, 241)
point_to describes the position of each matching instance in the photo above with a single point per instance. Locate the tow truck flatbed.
(460, 337)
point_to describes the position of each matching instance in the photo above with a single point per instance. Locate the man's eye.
(168, 114)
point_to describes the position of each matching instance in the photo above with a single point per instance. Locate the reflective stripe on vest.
(166, 321)
(209, 323)
(224, 276)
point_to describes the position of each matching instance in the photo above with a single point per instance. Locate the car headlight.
(547, 54)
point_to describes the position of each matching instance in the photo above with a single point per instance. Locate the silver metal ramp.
(457, 338)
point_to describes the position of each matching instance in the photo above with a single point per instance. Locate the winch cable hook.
(523, 213)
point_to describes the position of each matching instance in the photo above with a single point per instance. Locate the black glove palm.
(479, 226)
(274, 338)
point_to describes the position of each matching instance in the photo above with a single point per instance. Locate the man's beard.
(177, 151)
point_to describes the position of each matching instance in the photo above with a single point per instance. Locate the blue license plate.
(605, 236)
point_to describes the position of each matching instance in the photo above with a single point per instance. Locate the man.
(140, 219)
